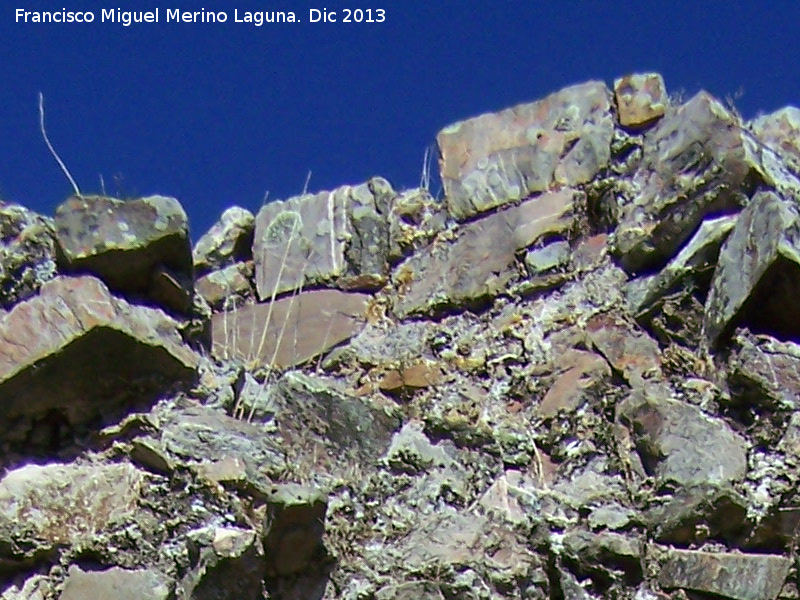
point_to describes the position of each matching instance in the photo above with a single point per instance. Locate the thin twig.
(52, 150)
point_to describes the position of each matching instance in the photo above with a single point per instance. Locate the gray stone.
(121, 584)
(230, 565)
(338, 238)
(36, 587)
(548, 258)
(220, 447)
(756, 279)
(589, 486)
(58, 349)
(479, 263)
(780, 132)
(229, 240)
(411, 590)
(763, 372)
(611, 516)
(605, 551)
(696, 258)
(498, 158)
(414, 219)
(641, 99)
(377, 344)
(694, 164)
(411, 451)
(729, 575)
(692, 515)
(325, 428)
(678, 443)
(27, 253)
(133, 246)
(224, 287)
(53, 505)
(511, 496)
(288, 331)
(293, 526)
(571, 588)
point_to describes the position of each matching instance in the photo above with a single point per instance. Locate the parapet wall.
(575, 375)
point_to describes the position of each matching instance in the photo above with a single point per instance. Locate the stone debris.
(576, 376)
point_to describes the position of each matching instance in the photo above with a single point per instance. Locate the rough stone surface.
(641, 99)
(583, 389)
(50, 505)
(300, 403)
(288, 331)
(222, 448)
(229, 240)
(493, 159)
(550, 257)
(583, 372)
(479, 263)
(37, 587)
(694, 163)
(414, 219)
(737, 576)
(117, 583)
(223, 287)
(765, 372)
(131, 245)
(75, 332)
(230, 565)
(27, 253)
(779, 131)
(698, 257)
(677, 443)
(629, 351)
(295, 518)
(756, 279)
(341, 237)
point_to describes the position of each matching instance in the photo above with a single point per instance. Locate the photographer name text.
(255, 18)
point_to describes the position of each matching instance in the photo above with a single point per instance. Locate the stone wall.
(575, 375)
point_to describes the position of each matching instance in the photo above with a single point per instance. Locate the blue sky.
(216, 114)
